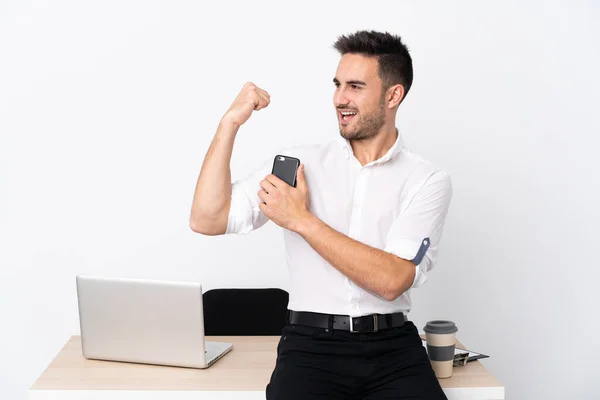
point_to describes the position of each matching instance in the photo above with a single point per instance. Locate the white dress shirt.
(396, 204)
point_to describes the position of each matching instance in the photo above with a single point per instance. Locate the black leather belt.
(365, 323)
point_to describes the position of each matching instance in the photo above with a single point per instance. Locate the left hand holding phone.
(285, 205)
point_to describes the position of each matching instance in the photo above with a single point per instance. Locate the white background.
(107, 110)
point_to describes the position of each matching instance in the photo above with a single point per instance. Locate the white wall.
(107, 109)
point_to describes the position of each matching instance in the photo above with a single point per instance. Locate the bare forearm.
(373, 269)
(213, 190)
(212, 197)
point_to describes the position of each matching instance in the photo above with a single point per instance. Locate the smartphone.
(285, 168)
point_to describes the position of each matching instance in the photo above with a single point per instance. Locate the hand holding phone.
(285, 168)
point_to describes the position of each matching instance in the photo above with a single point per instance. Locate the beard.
(367, 126)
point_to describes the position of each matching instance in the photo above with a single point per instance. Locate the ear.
(395, 94)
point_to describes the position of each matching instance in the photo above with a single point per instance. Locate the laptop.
(145, 321)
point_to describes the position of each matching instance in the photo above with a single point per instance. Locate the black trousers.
(318, 363)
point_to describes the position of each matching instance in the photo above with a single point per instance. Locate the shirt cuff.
(420, 278)
(413, 251)
(239, 220)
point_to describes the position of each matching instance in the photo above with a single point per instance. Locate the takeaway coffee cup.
(440, 337)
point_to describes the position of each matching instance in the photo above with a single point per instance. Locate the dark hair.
(394, 61)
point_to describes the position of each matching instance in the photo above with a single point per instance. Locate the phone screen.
(285, 168)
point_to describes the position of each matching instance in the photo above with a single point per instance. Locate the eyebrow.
(353, 82)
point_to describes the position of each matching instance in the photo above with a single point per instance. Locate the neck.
(375, 147)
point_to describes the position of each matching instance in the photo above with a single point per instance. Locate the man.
(362, 228)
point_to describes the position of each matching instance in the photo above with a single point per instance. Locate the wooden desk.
(241, 374)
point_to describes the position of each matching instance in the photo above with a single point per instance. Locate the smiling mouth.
(346, 116)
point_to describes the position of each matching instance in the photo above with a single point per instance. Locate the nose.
(340, 98)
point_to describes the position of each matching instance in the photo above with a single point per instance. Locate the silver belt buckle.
(374, 324)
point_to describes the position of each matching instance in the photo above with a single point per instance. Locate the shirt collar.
(395, 149)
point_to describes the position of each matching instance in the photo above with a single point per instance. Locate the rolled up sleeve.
(416, 233)
(245, 214)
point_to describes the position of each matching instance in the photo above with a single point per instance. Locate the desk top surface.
(248, 367)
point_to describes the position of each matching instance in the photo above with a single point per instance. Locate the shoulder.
(424, 172)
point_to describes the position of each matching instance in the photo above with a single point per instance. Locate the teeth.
(348, 113)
